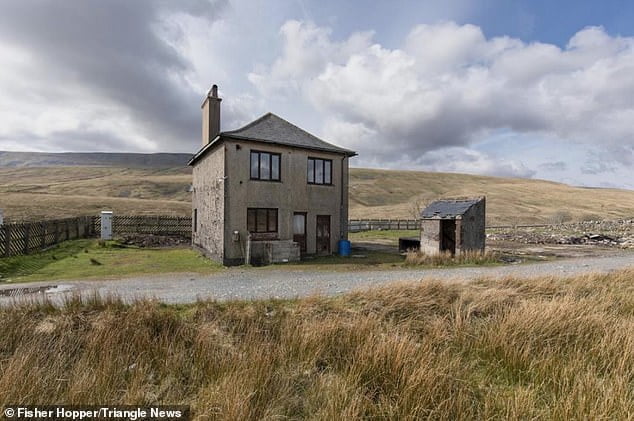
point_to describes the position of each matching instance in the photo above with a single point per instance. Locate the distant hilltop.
(105, 159)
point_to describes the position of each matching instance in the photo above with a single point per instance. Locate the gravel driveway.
(237, 283)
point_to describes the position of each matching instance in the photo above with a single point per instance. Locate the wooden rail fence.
(27, 237)
(24, 238)
(149, 224)
(356, 225)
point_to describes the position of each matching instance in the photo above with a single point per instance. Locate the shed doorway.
(448, 236)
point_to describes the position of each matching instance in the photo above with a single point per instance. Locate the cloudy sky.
(529, 88)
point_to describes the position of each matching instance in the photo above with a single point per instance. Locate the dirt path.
(237, 283)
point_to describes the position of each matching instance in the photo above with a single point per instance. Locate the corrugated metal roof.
(448, 208)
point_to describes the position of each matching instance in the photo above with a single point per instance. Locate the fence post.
(7, 240)
(106, 225)
(43, 231)
(27, 239)
(67, 229)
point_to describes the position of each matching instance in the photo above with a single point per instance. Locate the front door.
(323, 234)
(299, 230)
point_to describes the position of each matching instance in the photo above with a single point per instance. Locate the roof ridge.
(320, 143)
(309, 133)
(251, 124)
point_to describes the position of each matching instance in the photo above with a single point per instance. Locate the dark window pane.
(254, 165)
(272, 220)
(251, 220)
(275, 167)
(265, 166)
(319, 171)
(261, 220)
(327, 172)
(311, 170)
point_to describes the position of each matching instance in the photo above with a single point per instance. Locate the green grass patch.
(86, 259)
(391, 236)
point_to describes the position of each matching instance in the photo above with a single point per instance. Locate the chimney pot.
(211, 115)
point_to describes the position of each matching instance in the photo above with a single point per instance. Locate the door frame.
(317, 248)
(304, 244)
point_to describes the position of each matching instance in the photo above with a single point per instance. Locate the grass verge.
(85, 259)
(469, 258)
(513, 349)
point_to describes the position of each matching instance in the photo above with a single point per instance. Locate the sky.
(527, 88)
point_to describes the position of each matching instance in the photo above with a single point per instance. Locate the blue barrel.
(344, 248)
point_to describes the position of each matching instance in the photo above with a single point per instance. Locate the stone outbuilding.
(453, 226)
(267, 192)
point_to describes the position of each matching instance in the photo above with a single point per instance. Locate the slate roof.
(273, 129)
(448, 208)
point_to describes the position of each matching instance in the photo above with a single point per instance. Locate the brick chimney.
(211, 115)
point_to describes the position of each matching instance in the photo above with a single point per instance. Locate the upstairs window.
(265, 166)
(262, 220)
(319, 171)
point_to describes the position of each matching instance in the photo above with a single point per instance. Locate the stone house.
(453, 226)
(266, 192)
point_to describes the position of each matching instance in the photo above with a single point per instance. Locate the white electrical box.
(106, 225)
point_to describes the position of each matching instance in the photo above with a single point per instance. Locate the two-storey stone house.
(266, 192)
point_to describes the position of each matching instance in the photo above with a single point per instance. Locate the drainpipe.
(341, 206)
(247, 256)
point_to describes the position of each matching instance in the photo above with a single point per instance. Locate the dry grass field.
(397, 194)
(35, 193)
(55, 192)
(540, 349)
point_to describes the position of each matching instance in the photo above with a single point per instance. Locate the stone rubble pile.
(597, 233)
(154, 241)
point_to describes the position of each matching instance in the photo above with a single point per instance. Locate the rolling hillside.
(142, 160)
(29, 191)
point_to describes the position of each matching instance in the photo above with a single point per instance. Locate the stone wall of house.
(209, 204)
(291, 194)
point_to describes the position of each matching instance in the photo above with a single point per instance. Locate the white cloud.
(448, 86)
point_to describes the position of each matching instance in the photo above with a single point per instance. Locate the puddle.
(45, 289)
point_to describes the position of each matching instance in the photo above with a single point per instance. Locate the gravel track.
(238, 283)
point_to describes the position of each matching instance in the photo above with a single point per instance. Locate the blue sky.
(529, 88)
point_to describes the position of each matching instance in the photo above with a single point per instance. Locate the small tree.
(560, 217)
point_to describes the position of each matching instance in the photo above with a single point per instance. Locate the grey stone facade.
(223, 191)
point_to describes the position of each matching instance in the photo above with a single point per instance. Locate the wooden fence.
(356, 225)
(149, 224)
(27, 237)
(24, 238)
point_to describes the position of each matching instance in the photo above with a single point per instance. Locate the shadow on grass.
(31, 263)
(359, 258)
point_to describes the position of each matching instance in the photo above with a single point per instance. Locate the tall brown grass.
(470, 257)
(513, 349)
